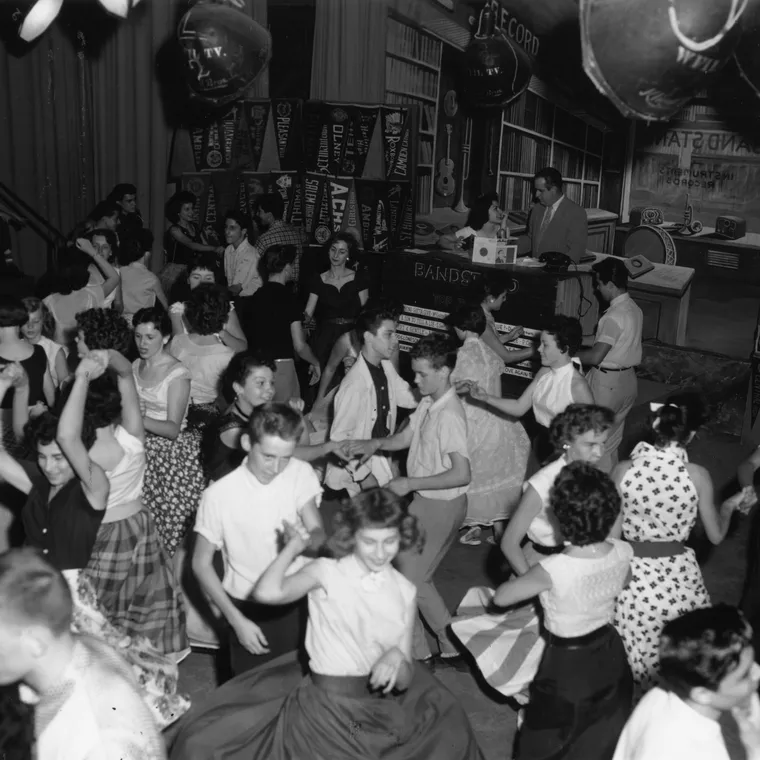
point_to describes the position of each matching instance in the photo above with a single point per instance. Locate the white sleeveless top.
(126, 479)
(584, 590)
(553, 393)
(543, 530)
(156, 397)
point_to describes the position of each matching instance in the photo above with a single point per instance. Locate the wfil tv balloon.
(225, 52)
(651, 57)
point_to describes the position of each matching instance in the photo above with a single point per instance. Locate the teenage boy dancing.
(438, 473)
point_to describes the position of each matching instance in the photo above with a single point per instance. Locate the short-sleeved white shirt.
(620, 327)
(439, 429)
(664, 727)
(242, 516)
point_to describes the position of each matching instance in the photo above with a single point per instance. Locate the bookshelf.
(536, 133)
(413, 77)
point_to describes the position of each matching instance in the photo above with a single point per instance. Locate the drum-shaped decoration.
(225, 52)
(496, 70)
(747, 53)
(651, 57)
(651, 242)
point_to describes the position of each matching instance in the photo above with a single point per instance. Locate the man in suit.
(556, 224)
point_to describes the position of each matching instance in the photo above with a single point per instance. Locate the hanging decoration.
(43, 12)
(225, 52)
(496, 68)
(651, 65)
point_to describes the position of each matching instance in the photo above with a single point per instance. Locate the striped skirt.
(133, 579)
(507, 646)
(174, 483)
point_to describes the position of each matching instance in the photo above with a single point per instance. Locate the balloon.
(44, 12)
(496, 70)
(747, 53)
(651, 57)
(225, 52)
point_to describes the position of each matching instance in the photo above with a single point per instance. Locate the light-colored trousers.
(440, 521)
(617, 391)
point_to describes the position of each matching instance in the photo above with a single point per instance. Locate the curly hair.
(377, 508)
(576, 420)
(207, 309)
(33, 305)
(156, 316)
(678, 419)
(567, 333)
(439, 350)
(470, 318)
(585, 503)
(13, 313)
(239, 368)
(176, 202)
(42, 431)
(104, 329)
(110, 237)
(276, 258)
(701, 647)
(103, 404)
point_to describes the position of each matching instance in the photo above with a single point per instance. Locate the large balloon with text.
(651, 57)
(496, 69)
(747, 53)
(225, 52)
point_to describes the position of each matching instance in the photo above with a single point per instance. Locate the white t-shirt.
(241, 516)
(664, 727)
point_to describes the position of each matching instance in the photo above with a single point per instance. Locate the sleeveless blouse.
(34, 366)
(553, 393)
(543, 529)
(584, 590)
(355, 616)
(127, 477)
(156, 397)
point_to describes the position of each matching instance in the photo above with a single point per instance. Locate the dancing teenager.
(241, 514)
(438, 474)
(582, 693)
(364, 696)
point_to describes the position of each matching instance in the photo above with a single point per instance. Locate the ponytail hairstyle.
(676, 420)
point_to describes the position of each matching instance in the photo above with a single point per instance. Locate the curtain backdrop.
(349, 50)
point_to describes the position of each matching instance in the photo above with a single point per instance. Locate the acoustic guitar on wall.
(444, 182)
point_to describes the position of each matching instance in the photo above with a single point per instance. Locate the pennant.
(373, 214)
(393, 124)
(323, 228)
(288, 129)
(312, 190)
(210, 221)
(228, 127)
(403, 235)
(296, 207)
(395, 203)
(242, 196)
(198, 139)
(338, 127)
(256, 116)
(402, 166)
(226, 186)
(340, 192)
(287, 185)
(351, 221)
(359, 140)
(316, 137)
(256, 185)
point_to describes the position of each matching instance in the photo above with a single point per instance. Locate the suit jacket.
(354, 417)
(567, 231)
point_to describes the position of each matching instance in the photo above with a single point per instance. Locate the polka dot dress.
(659, 504)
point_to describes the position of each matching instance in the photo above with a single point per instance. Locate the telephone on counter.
(555, 261)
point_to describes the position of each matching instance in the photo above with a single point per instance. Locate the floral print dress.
(660, 503)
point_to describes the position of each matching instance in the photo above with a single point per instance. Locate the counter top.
(664, 278)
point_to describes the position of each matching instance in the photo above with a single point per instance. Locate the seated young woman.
(486, 219)
(364, 697)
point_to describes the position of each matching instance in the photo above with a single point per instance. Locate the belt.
(340, 321)
(653, 549)
(614, 369)
(347, 686)
(547, 550)
(122, 511)
(576, 642)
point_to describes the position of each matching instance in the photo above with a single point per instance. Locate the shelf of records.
(379, 213)
(364, 141)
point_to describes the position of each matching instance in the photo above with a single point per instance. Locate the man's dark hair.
(439, 350)
(552, 177)
(370, 320)
(276, 258)
(123, 188)
(612, 270)
(103, 210)
(242, 219)
(278, 420)
(272, 203)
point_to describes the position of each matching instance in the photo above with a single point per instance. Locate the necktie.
(544, 224)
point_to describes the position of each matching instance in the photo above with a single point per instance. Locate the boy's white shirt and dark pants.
(242, 517)
(439, 429)
(355, 412)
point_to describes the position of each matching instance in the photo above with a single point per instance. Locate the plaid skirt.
(133, 578)
(507, 646)
(174, 483)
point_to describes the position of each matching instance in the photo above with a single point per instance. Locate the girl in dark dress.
(364, 696)
(581, 696)
(336, 296)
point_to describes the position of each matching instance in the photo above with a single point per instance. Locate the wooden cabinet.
(601, 230)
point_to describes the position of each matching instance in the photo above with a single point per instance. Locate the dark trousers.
(282, 626)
